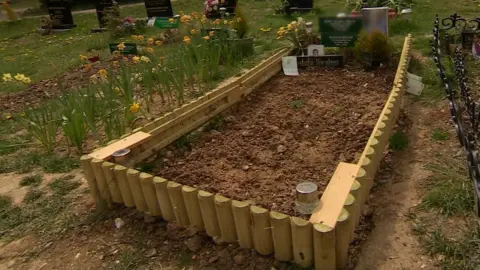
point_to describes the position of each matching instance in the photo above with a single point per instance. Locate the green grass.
(399, 141)
(297, 104)
(32, 195)
(5, 202)
(31, 180)
(50, 163)
(63, 185)
(440, 135)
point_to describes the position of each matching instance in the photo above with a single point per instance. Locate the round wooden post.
(209, 215)
(176, 197)
(241, 215)
(351, 205)
(302, 238)
(355, 190)
(163, 198)
(86, 162)
(107, 168)
(282, 236)
(226, 222)
(123, 185)
(136, 188)
(101, 181)
(324, 247)
(146, 181)
(342, 239)
(261, 230)
(190, 196)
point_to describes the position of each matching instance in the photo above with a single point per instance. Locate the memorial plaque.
(230, 6)
(159, 8)
(301, 5)
(61, 14)
(102, 8)
(340, 32)
(130, 48)
(320, 61)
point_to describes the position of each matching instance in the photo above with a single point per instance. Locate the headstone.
(301, 5)
(340, 32)
(229, 5)
(467, 39)
(159, 8)
(320, 61)
(130, 48)
(61, 14)
(375, 19)
(102, 8)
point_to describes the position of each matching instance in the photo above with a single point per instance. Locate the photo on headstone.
(316, 50)
(159, 8)
(375, 19)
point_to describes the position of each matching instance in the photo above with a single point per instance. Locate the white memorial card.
(414, 84)
(289, 64)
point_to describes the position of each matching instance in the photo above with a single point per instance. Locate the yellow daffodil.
(150, 50)
(187, 39)
(171, 20)
(217, 21)
(151, 41)
(118, 90)
(185, 19)
(103, 73)
(206, 37)
(83, 57)
(158, 43)
(7, 77)
(8, 116)
(140, 37)
(94, 79)
(282, 28)
(134, 37)
(87, 67)
(239, 19)
(211, 33)
(145, 59)
(121, 46)
(225, 22)
(136, 59)
(289, 27)
(115, 64)
(204, 19)
(193, 31)
(265, 29)
(135, 107)
(195, 15)
(182, 13)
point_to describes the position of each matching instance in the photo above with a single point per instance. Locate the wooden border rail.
(322, 241)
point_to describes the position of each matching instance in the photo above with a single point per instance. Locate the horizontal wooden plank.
(335, 194)
(125, 143)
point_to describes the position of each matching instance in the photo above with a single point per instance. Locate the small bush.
(398, 141)
(375, 45)
(31, 180)
(240, 23)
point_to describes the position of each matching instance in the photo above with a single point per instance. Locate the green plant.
(74, 119)
(32, 195)
(31, 180)
(42, 124)
(399, 141)
(5, 202)
(63, 185)
(297, 104)
(440, 135)
(296, 33)
(375, 46)
(240, 24)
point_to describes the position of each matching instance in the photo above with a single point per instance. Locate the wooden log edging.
(306, 242)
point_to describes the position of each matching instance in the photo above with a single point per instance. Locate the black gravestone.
(61, 14)
(102, 7)
(159, 8)
(301, 5)
(229, 5)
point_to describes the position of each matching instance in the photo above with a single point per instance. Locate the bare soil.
(292, 129)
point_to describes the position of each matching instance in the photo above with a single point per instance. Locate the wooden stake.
(107, 168)
(123, 185)
(136, 188)
(342, 240)
(101, 181)
(190, 196)
(146, 181)
(209, 215)
(302, 241)
(241, 215)
(176, 197)
(92, 183)
(282, 236)
(163, 198)
(351, 205)
(226, 222)
(359, 202)
(261, 230)
(324, 247)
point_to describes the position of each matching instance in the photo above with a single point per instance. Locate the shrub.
(375, 45)
(240, 23)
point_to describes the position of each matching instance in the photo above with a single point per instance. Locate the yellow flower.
(134, 37)
(121, 46)
(158, 43)
(87, 67)
(195, 15)
(83, 57)
(19, 77)
(26, 80)
(150, 50)
(217, 21)
(289, 27)
(136, 59)
(7, 77)
(185, 19)
(193, 31)
(115, 64)
(135, 107)
(182, 13)
(151, 41)
(212, 33)
(187, 39)
(206, 37)
(118, 90)
(171, 20)
(145, 59)
(140, 37)
(103, 73)
(282, 28)
(266, 29)
(204, 19)
(8, 116)
(239, 19)
(225, 22)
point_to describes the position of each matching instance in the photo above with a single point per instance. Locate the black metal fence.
(464, 110)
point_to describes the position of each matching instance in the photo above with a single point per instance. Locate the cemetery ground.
(420, 214)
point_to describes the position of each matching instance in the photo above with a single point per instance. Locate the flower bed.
(323, 241)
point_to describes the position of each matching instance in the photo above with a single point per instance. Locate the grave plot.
(263, 150)
(290, 130)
